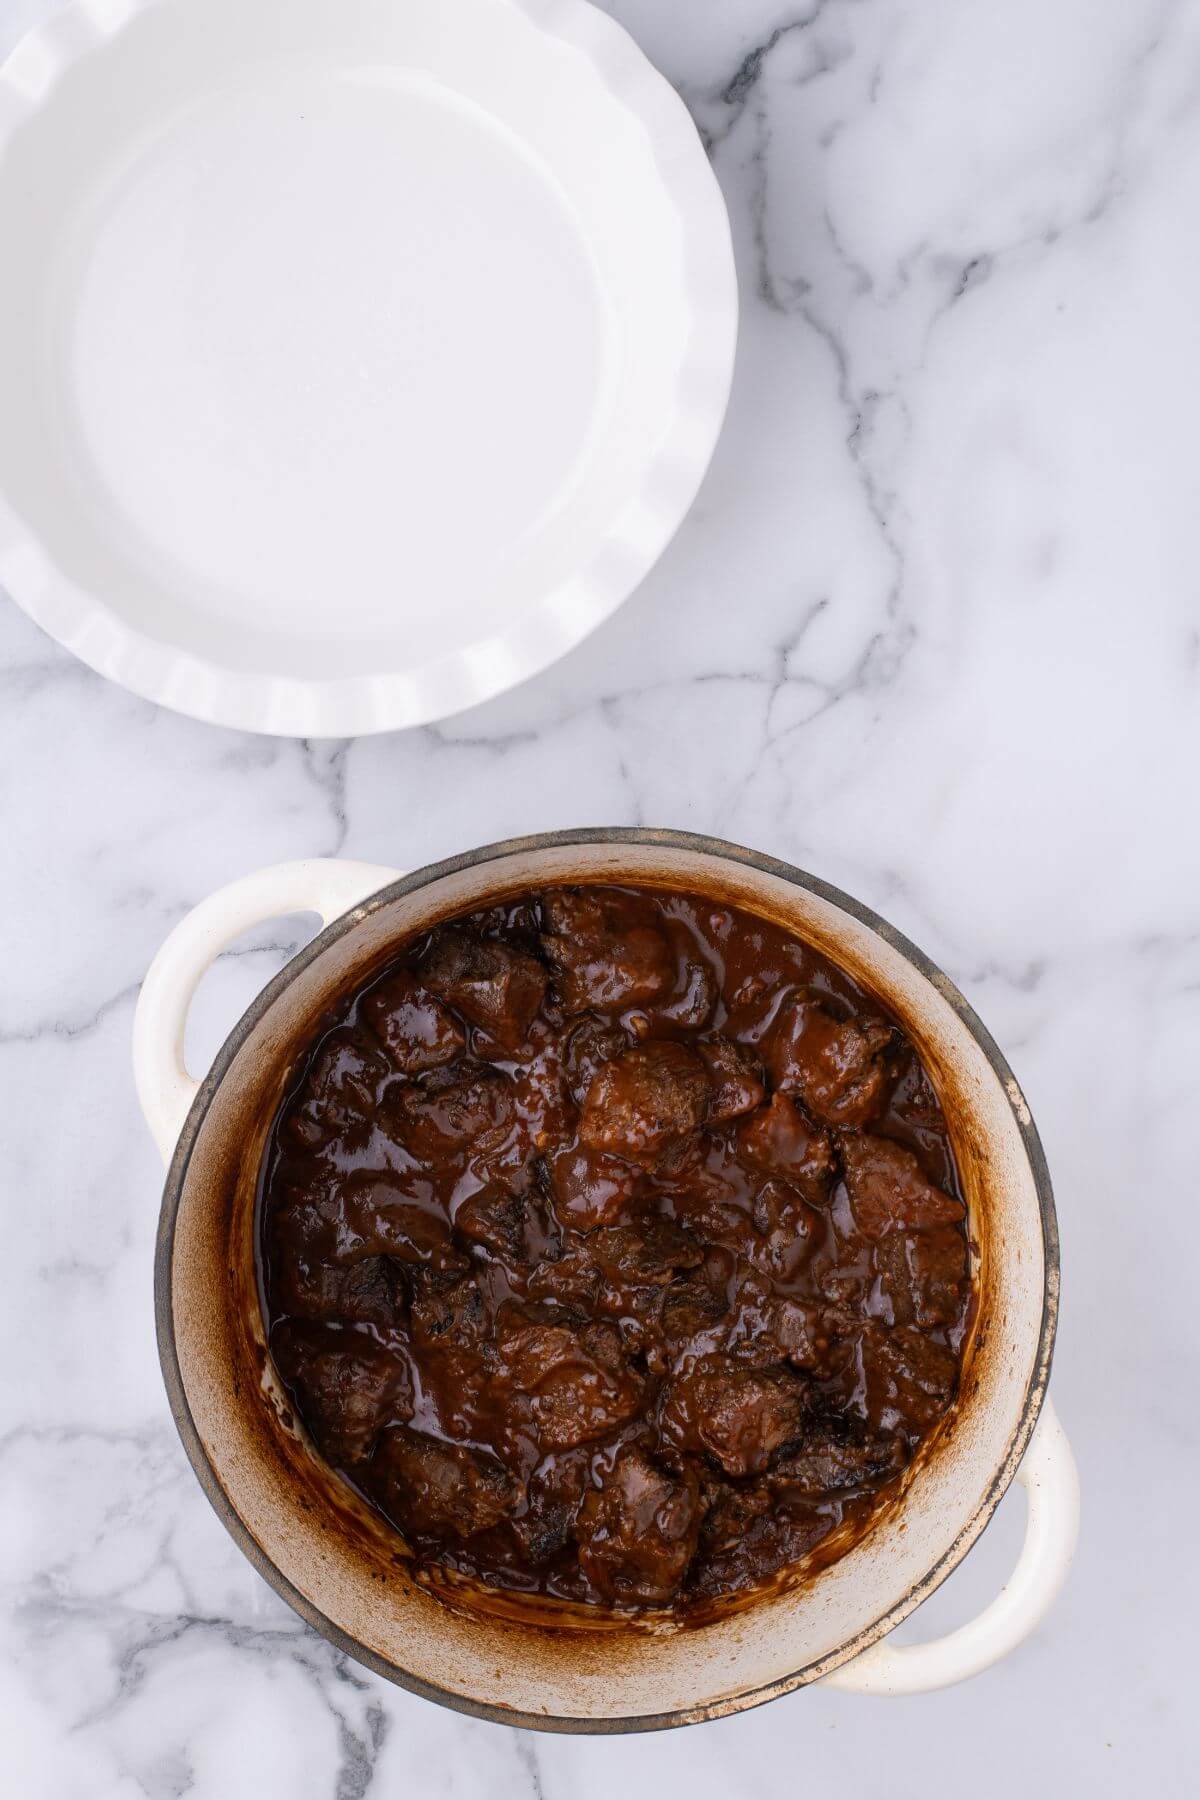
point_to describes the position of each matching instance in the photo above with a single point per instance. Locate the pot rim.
(1031, 1405)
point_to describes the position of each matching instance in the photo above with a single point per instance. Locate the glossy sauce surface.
(612, 1246)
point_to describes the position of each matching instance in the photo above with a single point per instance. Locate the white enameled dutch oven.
(339, 1566)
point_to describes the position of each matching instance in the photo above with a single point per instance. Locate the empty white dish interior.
(339, 338)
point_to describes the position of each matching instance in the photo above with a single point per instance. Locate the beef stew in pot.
(612, 1247)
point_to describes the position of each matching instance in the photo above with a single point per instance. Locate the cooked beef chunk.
(786, 1230)
(778, 1538)
(437, 1489)
(575, 1379)
(767, 1326)
(544, 1525)
(378, 1215)
(503, 1221)
(638, 1531)
(607, 950)
(572, 1278)
(645, 1254)
(736, 1076)
(588, 1046)
(468, 1106)
(359, 1293)
(590, 1188)
(731, 1510)
(844, 1272)
(890, 1191)
(458, 1316)
(908, 1378)
(780, 1140)
(694, 998)
(923, 1274)
(492, 984)
(340, 1090)
(838, 1066)
(415, 1029)
(645, 1100)
(739, 1415)
(692, 1310)
(807, 1334)
(348, 1387)
(837, 1453)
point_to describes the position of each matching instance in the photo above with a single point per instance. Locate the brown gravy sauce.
(612, 1247)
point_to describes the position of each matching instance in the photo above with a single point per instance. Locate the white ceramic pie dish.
(356, 358)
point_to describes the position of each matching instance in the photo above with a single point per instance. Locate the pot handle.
(324, 885)
(1051, 1482)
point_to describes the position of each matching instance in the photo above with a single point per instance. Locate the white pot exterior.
(335, 1561)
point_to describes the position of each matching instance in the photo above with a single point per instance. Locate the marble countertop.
(931, 632)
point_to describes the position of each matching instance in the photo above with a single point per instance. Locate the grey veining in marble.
(932, 631)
